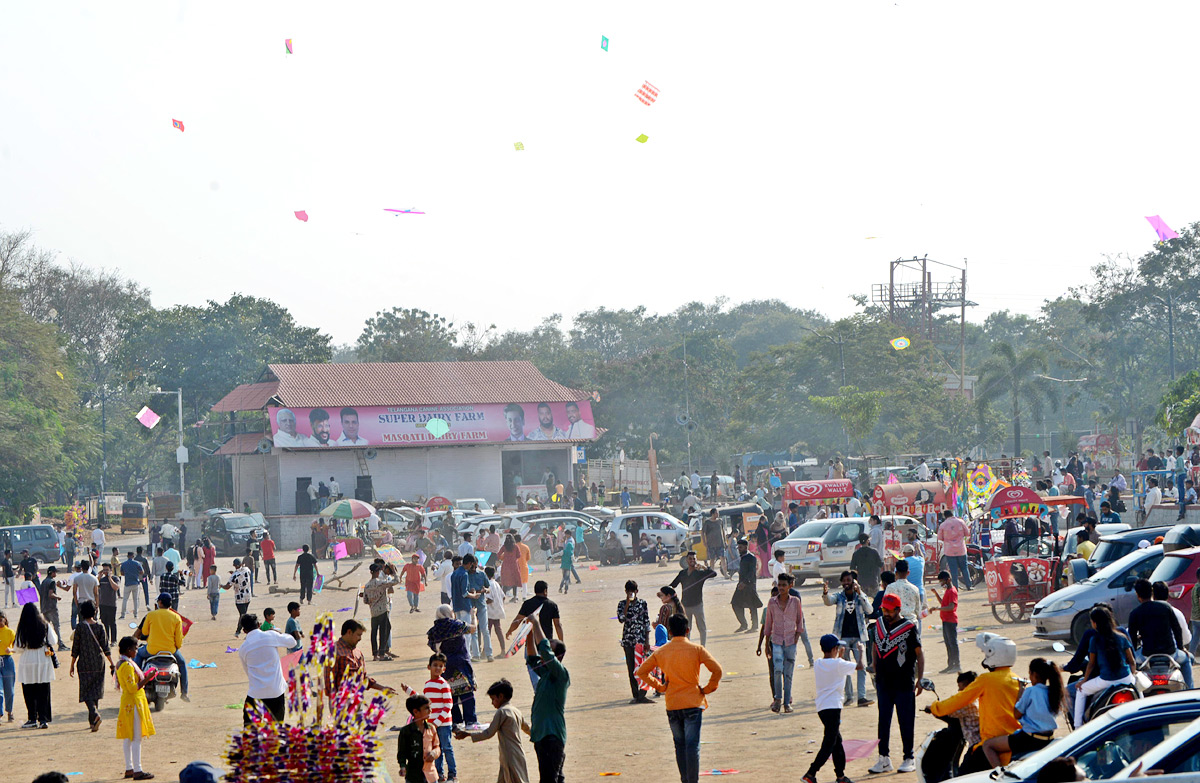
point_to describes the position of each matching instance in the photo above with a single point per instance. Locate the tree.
(1180, 405)
(1020, 377)
(406, 335)
(858, 412)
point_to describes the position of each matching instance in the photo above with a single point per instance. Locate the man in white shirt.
(169, 533)
(335, 489)
(906, 591)
(466, 547)
(777, 566)
(853, 506)
(264, 672)
(445, 569)
(922, 470)
(579, 428)
(1153, 494)
(1119, 482)
(349, 436)
(287, 437)
(695, 479)
(876, 534)
(98, 538)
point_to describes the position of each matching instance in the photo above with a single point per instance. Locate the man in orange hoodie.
(997, 691)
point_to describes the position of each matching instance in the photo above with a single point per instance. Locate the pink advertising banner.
(334, 427)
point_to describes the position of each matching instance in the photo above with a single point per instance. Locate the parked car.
(1178, 569)
(1181, 537)
(802, 549)
(1112, 547)
(478, 505)
(1070, 545)
(402, 518)
(1105, 745)
(1064, 613)
(40, 540)
(629, 527)
(1178, 754)
(230, 532)
(724, 486)
(603, 513)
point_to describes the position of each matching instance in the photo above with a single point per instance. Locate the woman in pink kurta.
(510, 566)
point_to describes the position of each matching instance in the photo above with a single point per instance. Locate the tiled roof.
(247, 397)
(242, 443)
(416, 383)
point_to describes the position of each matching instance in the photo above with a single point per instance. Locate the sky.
(1029, 138)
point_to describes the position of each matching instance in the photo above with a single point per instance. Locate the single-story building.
(404, 430)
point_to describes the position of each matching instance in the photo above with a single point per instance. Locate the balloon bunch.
(308, 749)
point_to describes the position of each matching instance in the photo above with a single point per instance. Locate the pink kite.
(288, 43)
(339, 550)
(27, 596)
(302, 215)
(288, 661)
(177, 124)
(148, 418)
(1162, 229)
(858, 749)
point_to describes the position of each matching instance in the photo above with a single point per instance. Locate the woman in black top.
(89, 650)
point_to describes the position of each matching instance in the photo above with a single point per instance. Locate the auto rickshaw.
(133, 518)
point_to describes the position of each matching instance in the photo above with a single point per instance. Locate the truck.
(632, 473)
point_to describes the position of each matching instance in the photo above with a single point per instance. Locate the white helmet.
(998, 651)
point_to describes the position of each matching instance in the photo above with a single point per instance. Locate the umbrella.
(348, 508)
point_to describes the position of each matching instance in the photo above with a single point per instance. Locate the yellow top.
(680, 661)
(163, 630)
(1085, 549)
(997, 693)
(7, 635)
(133, 700)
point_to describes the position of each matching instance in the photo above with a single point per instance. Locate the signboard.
(826, 492)
(303, 428)
(438, 503)
(113, 505)
(1009, 576)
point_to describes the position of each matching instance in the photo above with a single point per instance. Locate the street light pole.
(1169, 302)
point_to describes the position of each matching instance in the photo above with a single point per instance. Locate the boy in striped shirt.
(437, 690)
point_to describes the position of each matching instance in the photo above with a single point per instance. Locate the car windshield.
(244, 521)
(1170, 569)
(1111, 551)
(1100, 748)
(814, 529)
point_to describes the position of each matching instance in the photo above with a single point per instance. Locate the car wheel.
(800, 580)
(1079, 627)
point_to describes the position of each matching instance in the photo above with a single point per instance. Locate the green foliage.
(1180, 404)
(1021, 378)
(406, 335)
(858, 411)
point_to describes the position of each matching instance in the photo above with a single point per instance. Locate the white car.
(802, 549)
(469, 504)
(655, 524)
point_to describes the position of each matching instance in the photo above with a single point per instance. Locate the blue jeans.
(807, 646)
(413, 598)
(957, 566)
(1195, 632)
(685, 730)
(783, 658)
(213, 602)
(854, 646)
(142, 654)
(1185, 663)
(8, 680)
(444, 738)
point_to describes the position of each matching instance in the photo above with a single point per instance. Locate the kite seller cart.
(1015, 584)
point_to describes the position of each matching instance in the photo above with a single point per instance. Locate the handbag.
(460, 685)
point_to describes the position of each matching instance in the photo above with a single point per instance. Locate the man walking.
(306, 565)
(745, 595)
(131, 578)
(867, 564)
(542, 610)
(850, 627)
(462, 600)
(782, 625)
(954, 533)
(239, 579)
(899, 664)
(264, 672)
(680, 660)
(948, 613)
(713, 534)
(691, 578)
(374, 593)
(267, 545)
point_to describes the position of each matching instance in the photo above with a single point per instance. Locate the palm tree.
(1020, 376)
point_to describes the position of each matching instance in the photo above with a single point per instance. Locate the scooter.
(1100, 703)
(937, 758)
(1159, 673)
(166, 679)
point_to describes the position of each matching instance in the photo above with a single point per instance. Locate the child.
(968, 716)
(418, 745)
(293, 625)
(268, 620)
(495, 607)
(568, 555)
(414, 576)
(1036, 708)
(830, 673)
(213, 588)
(948, 612)
(437, 691)
(133, 720)
(507, 724)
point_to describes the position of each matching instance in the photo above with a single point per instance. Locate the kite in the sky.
(519, 146)
(177, 124)
(643, 138)
(148, 418)
(900, 343)
(1162, 229)
(437, 427)
(604, 43)
(647, 93)
(404, 211)
(302, 215)
(288, 44)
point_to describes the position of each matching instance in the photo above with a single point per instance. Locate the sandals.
(775, 706)
(787, 708)
(96, 724)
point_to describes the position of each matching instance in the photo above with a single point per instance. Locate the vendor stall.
(914, 499)
(825, 492)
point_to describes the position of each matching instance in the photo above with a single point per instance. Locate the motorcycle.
(1159, 673)
(938, 757)
(1100, 703)
(166, 679)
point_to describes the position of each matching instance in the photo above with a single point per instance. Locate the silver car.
(802, 549)
(1064, 614)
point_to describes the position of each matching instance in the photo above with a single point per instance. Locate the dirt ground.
(605, 732)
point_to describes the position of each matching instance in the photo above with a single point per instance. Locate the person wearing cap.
(899, 667)
(996, 690)
(199, 772)
(829, 672)
(162, 629)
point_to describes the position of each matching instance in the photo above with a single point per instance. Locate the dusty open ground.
(605, 732)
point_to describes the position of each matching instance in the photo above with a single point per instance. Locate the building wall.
(256, 481)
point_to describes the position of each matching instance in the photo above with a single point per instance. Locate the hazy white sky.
(1027, 137)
